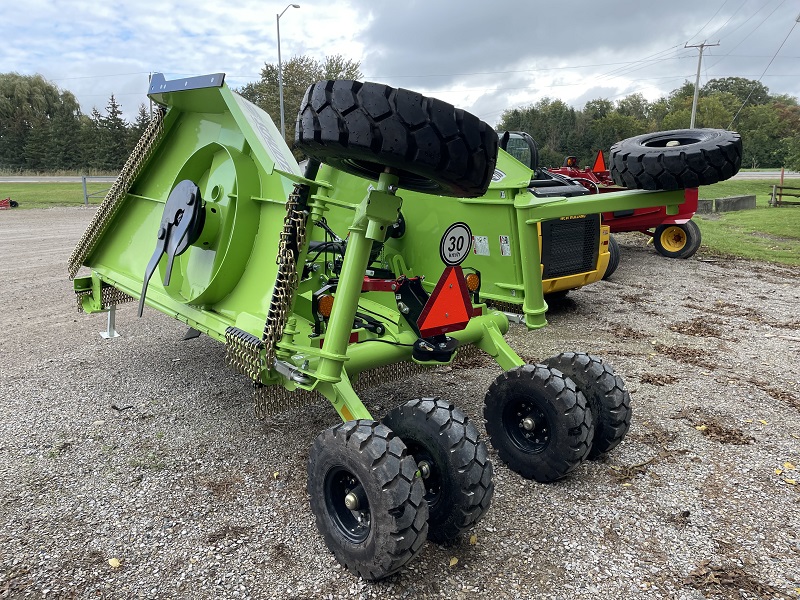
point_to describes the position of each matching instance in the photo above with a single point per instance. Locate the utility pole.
(697, 80)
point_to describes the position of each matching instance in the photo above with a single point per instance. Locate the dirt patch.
(699, 326)
(231, 532)
(713, 429)
(779, 394)
(634, 298)
(729, 581)
(693, 356)
(657, 379)
(624, 332)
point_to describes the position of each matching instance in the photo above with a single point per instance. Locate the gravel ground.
(144, 451)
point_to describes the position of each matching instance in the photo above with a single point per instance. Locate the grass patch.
(766, 233)
(46, 195)
(760, 188)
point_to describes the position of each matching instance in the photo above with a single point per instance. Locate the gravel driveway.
(135, 467)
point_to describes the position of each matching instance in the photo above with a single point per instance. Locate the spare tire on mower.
(362, 128)
(675, 160)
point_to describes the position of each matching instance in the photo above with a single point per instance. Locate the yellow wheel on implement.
(677, 241)
(673, 239)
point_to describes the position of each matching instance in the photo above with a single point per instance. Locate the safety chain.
(291, 240)
(108, 208)
(267, 400)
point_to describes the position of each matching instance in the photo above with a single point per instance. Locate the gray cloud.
(483, 56)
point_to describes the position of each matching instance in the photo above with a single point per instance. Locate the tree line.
(769, 124)
(42, 127)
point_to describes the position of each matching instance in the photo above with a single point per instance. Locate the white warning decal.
(505, 245)
(480, 245)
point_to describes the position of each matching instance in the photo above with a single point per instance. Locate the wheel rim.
(669, 139)
(673, 238)
(527, 426)
(433, 479)
(354, 525)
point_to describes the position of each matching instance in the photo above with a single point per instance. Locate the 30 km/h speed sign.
(455, 245)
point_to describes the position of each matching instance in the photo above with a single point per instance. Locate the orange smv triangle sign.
(599, 163)
(449, 307)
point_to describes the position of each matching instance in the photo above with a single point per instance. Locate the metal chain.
(244, 353)
(109, 295)
(292, 239)
(113, 200)
(273, 399)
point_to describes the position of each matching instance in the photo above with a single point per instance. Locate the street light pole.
(280, 66)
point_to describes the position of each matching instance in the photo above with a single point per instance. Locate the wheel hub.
(424, 469)
(348, 505)
(673, 239)
(527, 426)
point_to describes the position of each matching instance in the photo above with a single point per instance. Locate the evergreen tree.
(92, 134)
(64, 146)
(114, 141)
(138, 127)
(36, 144)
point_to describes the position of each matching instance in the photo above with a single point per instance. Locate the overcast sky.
(484, 56)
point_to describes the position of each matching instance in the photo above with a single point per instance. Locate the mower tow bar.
(180, 227)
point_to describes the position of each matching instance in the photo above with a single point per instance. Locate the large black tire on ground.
(606, 394)
(561, 430)
(453, 460)
(613, 258)
(677, 241)
(390, 524)
(361, 128)
(675, 160)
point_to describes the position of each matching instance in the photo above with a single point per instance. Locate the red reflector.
(449, 307)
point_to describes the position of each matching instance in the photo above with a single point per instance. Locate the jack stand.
(110, 332)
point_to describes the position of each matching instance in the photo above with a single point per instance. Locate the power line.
(765, 71)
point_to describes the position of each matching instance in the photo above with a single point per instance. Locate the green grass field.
(766, 233)
(46, 195)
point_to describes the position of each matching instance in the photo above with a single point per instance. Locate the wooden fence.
(778, 193)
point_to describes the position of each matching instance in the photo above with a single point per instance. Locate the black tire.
(609, 400)
(677, 241)
(561, 428)
(361, 128)
(695, 236)
(367, 459)
(613, 259)
(453, 461)
(678, 159)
